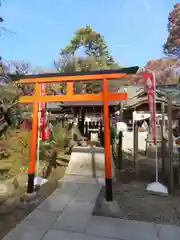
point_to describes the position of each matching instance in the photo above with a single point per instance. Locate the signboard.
(151, 87)
(139, 116)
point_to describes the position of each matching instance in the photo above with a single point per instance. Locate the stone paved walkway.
(67, 215)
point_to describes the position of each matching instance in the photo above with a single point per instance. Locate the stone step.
(88, 161)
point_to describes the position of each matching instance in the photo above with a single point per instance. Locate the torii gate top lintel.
(59, 77)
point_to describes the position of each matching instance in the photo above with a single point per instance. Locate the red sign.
(151, 87)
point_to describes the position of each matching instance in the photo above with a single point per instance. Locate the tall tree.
(92, 42)
(19, 67)
(9, 94)
(66, 64)
(96, 56)
(172, 44)
(10, 90)
(7, 90)
(166, 70)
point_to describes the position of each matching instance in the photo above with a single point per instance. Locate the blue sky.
(134, 29)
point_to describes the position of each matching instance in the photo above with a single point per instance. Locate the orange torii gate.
(105, 96)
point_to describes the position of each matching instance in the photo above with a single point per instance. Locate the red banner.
(151, 92)
(44, 129)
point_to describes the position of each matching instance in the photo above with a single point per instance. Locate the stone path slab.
(67, 215)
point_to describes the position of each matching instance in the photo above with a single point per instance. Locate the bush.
(59, 139)
(61, 136)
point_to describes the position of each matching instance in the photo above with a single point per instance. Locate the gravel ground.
(129, 191)
(136, 204)
(14, 211)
